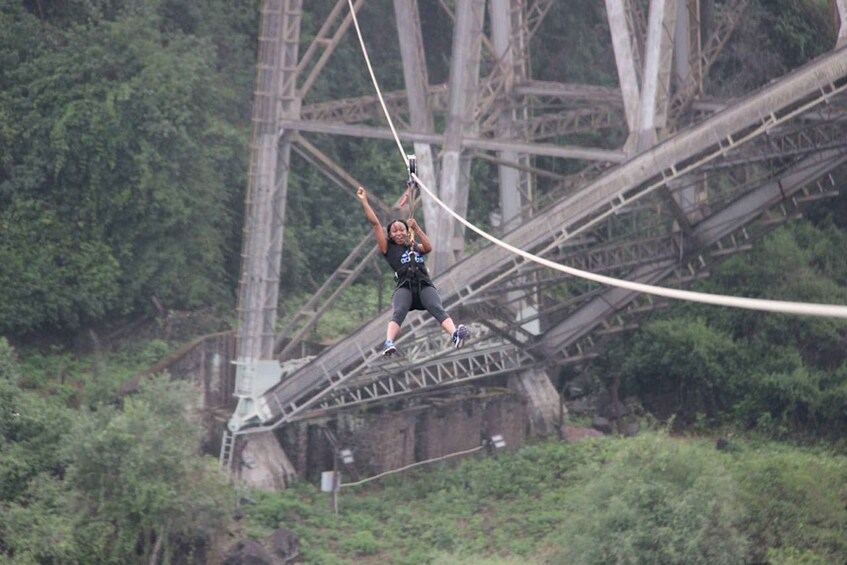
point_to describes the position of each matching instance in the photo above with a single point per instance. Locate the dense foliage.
(126, 486)
(773, 37)
(104, 485)
(785, 374)
(123, 154)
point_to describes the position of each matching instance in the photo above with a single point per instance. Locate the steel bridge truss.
(815, 131)
(799, 158)
(666, 214)
(503, 345)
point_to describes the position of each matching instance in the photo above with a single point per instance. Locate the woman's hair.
(391, 223)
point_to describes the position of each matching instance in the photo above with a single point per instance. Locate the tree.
(122, 160)
(655, 502)
(771, 38)
(682, 362)
(142, 488)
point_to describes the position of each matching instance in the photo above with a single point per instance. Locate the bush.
(656, 501)
(795, 500)
(9, 368)
(790, 398)
(793, 556)
(361, 543)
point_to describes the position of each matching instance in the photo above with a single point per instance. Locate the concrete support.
(542, 398)
(842, 30)
(263, 464)
(448, 239)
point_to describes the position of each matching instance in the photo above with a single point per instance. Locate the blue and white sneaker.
(459, 336)
(388, 350)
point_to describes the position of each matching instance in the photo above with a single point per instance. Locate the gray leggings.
(405, 299)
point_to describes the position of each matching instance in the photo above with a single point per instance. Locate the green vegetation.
(108, 484)
(782, 374)
(124, 149)
(651, 499)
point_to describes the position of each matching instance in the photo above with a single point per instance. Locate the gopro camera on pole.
(413, 165)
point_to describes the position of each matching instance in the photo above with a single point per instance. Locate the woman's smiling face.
(398, 233)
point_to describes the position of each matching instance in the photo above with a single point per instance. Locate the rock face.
(248, 552)
(284, 544)
(284, 547)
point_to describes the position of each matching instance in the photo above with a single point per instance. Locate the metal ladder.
(227, 444)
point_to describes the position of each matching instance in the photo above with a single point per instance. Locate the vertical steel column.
(289, 108)
(657, 65)
(682, 45)
(416, 79)
(625, 58)
(256, 245)
(505, 39)
(455, 167)
(689, 60)
(521, 33)
(510, 38)
(688, 75)
(275, 96)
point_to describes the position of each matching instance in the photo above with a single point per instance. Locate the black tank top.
(408, 267)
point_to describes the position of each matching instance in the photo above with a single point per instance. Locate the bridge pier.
(544, 408)
(262, 463)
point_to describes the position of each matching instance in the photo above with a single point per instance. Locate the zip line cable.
(779, 306)
(766, 305)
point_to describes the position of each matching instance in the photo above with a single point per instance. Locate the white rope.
(778, 306)
(827, 310)
(443, 457)
(376, 85)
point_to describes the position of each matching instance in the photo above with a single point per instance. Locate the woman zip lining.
(414, 289)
